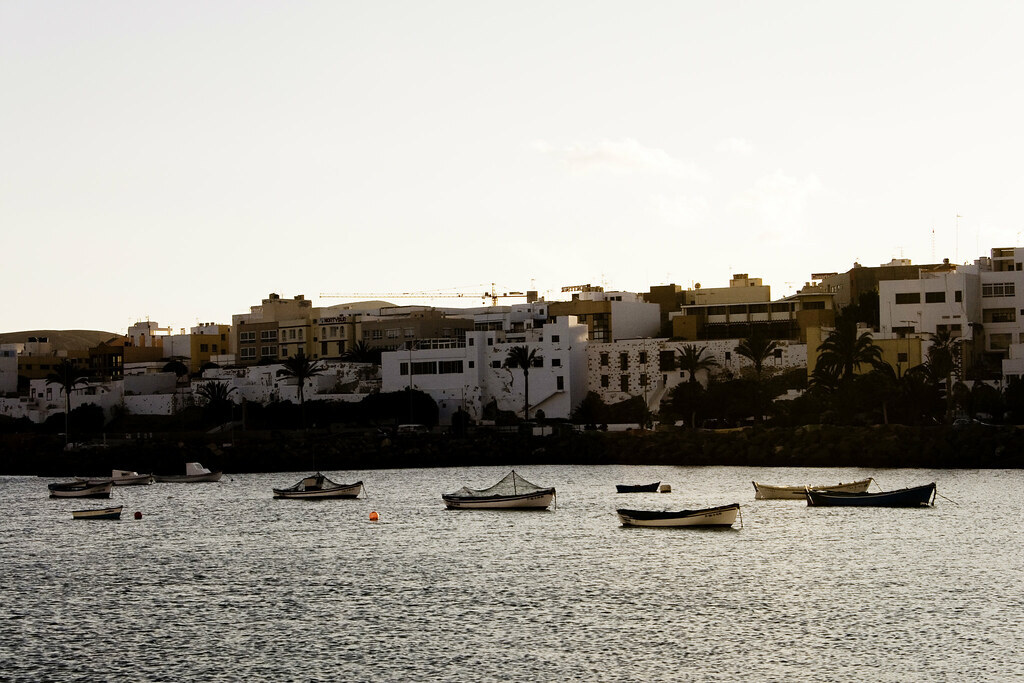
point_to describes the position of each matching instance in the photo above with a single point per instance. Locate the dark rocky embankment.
(972, 447)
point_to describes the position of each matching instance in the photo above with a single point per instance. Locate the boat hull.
(188, 478)
(638, 488)
(80, 489)
(917, 496)
(337, 491)
(122, 478)
(102, 513)
(529, 501)
(768, 492)
(721, 516)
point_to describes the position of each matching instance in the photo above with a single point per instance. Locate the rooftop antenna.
(933, 245)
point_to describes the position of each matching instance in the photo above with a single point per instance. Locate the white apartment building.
(469, 373)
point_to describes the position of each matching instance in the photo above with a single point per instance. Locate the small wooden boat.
(916, 496)
(637, 488)
(765, 491)
(122, 478)
(102, 513)
(319, 487)
(79, 489)
(194, 473)
(511, 493)
(723, 515)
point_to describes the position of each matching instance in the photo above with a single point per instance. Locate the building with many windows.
(470, 373)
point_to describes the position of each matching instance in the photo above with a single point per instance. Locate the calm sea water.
(219, 582)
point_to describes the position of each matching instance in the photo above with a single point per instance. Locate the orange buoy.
(138, 515)
(374, 516)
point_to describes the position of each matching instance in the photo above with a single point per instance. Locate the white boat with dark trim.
(122, 478)
(101, 513)
(194, 473)
(319, 487)
(723, 515)
(79, 489)
(766, 491)
(511, 493)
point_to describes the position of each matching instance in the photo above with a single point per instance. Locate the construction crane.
(493, 295)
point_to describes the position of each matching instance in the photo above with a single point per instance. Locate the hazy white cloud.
(779, 202)
(621, 156)
(682, 211)
(736, 146)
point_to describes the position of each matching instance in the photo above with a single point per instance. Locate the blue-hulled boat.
(916, 496)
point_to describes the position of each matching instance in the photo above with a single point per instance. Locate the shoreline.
(938, 447)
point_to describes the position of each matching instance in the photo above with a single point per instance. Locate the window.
(268, 335)
(204, 348)
(604, 381)
(246, 337)
(780, 308)
(901, 358)
(777, 353)
(666, 360)
(377, 334)
(410, 332)
(935, 297)
(1000, 342)
(993, 289)
(426, 367)
(323, 348)
(604, 359)
(214, 348)
(284, 350)
(393, 333)
(247, 352)
(623, 361)
(728, 355)
(556, 362)
(403, 369)
(643, 379)
(495, 363)
(624, 383)
(999, 315)
(554, 337)
(816, 305)
(449, 367)
(643, 358)
(490, 341)
(958, 296)
(908, 298)
(472, 364)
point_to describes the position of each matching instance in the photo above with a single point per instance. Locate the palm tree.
(522, 357)
(757, 348)
(217, 395)
(68, 376)
(361, 352)
(844, 351)
(693, 360)
(301, 368)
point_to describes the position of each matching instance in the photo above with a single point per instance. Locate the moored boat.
(79, 489)
(511, 493)
(637, 488)
(122, 478)
(101, 513)
(723, 515)
(766, 491)
(194, 473)
(915, 496)
(319, 487)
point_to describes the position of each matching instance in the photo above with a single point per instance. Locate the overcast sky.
(178, 161)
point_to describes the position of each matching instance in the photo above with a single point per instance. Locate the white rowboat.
(766, 492)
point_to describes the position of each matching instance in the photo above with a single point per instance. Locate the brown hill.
(60, 339)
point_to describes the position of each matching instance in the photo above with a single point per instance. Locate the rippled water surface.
(221, 582)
